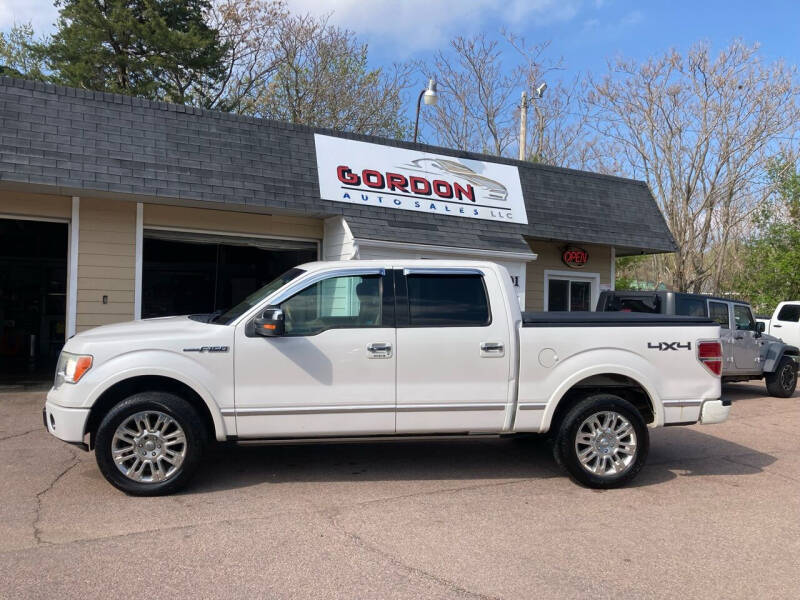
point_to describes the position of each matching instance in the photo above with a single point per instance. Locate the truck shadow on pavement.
(674, 452)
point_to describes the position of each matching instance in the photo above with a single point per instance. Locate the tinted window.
(690, 307)
(790, 312)
(718, 311)
(447, 301)
(645, 304)
(335, 303)
(744, 319)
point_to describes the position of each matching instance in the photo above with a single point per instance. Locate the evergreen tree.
(157, 49)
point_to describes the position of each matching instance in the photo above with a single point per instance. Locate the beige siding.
(338, 244)
(549, 258)
(106, 262)
(232, 222)
(35, 205)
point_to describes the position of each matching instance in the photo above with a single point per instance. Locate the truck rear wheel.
(602, 442)
(150, 444)
(783, 381)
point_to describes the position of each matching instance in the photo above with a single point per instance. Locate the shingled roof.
(76, 142)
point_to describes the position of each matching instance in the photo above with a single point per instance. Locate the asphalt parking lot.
(715, 513)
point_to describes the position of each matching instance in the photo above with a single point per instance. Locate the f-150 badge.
(207, 349)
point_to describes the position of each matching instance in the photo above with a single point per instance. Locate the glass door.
(569, 295)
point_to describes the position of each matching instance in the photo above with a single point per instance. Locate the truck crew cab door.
(453, 351)
(332, 372)
(746, 347)
(786, 323)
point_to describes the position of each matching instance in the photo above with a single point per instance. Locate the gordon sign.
(574, 257)
(375, 175)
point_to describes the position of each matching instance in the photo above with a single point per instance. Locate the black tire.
(185, 417)
(783, 381)
(565, 448)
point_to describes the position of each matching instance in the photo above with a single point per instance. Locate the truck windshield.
(234, 313)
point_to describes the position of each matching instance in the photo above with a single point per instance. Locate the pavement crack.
(16, 435)
(449, 585)
(37, 531)
(446, 491)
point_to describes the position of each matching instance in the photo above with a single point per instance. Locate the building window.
(568, 292)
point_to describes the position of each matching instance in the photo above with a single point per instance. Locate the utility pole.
(523, 125)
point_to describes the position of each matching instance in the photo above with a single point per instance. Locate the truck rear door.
(453, 351)
(720, 312)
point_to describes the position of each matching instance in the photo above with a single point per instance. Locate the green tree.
(18, 56)
(770, 258)
(157, 49)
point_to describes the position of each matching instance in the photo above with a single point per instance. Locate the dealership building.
(115, 208)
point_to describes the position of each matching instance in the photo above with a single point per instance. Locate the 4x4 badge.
(664, 346)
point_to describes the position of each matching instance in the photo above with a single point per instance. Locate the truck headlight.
(71, 367)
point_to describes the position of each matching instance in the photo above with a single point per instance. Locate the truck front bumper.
(66, 424)
(715, 411)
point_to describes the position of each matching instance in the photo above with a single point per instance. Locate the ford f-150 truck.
(368, 349)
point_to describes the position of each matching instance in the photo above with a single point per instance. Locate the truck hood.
(157, 328)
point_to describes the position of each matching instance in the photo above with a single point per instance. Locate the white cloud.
(40, 13)
(411, 25)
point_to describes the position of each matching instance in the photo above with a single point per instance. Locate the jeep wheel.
(602, 442)
(783, 381)
(150, 444)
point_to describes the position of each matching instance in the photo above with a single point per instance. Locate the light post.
(430, 97)
(523, 120)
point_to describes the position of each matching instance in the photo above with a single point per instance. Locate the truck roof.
(390, 263)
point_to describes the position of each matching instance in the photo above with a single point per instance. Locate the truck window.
(718, 311)
(744, 318)
(447, 301)
(645, 304)
(790, 312)
(335, 303)
(689, 306)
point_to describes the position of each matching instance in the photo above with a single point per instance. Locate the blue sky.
(583, 32)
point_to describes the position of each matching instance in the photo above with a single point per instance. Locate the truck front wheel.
(602, 441)
(783, 381)
(150, 444)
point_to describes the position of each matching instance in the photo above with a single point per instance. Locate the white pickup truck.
(785, 322)
(366, 349)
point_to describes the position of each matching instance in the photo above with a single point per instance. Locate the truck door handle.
(492, 349)
(776, 325)
(380, 350)
(739, 337)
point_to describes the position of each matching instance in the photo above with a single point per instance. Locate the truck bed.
(609, 319)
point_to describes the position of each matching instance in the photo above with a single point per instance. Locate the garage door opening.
(33, 294)
(189, 273)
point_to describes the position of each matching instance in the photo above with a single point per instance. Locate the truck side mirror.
(270, 323)
(761, 327)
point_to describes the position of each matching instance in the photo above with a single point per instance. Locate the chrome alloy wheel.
(606, 444)
(149, 447)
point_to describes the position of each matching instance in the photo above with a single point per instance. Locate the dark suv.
(749, 353)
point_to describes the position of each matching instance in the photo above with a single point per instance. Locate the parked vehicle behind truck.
(784, 322)
(374, 349)
(749, 352)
